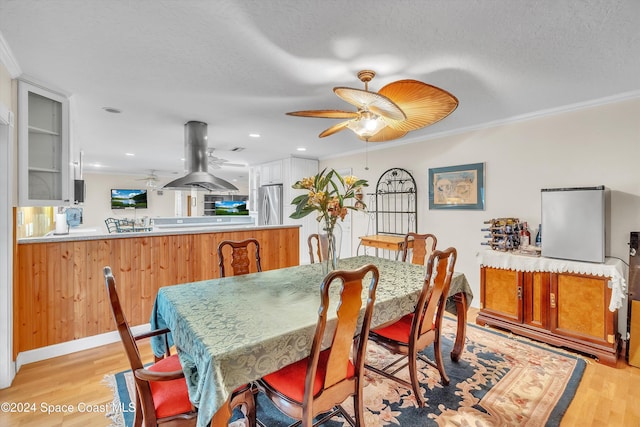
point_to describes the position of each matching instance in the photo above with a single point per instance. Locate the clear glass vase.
(330, 243)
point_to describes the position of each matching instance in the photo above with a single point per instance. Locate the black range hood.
(195, 152)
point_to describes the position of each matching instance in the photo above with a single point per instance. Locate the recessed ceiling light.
(254, 135)
(129, 154)
(301, 149)
(112, 110)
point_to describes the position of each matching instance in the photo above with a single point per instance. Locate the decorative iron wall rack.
(395, 203)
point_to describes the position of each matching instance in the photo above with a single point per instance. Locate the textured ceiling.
(240, 65)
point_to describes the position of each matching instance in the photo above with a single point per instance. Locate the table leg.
(461, 315)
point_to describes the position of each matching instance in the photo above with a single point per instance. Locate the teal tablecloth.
(234, 330)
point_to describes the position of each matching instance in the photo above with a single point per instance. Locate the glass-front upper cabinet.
(43, 147)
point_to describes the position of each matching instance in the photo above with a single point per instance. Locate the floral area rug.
(500, 380)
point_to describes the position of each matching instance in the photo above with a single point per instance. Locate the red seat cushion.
(290, 379)
(169, 397)
(398, 331)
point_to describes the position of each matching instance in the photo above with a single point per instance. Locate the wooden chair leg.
(413, 374)
(358, 407)
(439, 363)
(307, 419)
(137, 420)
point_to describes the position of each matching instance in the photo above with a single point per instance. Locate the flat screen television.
(231, 207)
(124, 198)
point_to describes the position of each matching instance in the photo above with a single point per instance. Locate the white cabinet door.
(43, 147)
(271, 173)
(254, 184)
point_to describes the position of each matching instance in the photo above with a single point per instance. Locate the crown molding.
(8, 60)
(515, 119)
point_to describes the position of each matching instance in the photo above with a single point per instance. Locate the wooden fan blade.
(374, 102)
(422, 103)
(386, 134)
(334, 129)
(326, 114)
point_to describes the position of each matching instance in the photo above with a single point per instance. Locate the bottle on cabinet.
(525, 235)
(539, 236)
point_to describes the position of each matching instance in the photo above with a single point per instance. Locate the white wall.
(97, 202)
(586, 147)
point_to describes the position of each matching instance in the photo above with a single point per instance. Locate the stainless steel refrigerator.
(574, 222)
(270, 205)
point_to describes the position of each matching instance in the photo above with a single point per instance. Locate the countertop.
(79, 235)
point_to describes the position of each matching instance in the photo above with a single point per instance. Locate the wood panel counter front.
(59, 293)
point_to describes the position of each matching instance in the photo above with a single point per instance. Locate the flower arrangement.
(327, 192)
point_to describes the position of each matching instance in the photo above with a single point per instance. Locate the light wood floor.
(606, 396)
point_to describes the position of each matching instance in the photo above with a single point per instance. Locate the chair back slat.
(422, 247)
(431, 303)
(350, 304)
(240, 262)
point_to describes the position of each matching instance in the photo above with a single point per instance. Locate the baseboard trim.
(69, 347)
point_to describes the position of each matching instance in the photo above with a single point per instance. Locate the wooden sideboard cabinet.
(562, 309)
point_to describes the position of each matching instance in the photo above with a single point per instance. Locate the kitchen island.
(59, 292)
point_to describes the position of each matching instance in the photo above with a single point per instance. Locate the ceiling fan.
(151, 180)
(396, 109)
(217, 162)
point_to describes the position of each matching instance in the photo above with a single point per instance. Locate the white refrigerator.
(574, 222)
(270, 205)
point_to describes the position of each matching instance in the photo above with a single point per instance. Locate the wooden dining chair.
(318, 246)
(161, 389)
(319, 383)
(239, 256)
(422, 247)
(414, 332)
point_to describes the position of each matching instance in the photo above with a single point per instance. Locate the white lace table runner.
(614, 268)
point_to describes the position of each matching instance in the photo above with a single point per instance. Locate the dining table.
(230, 331)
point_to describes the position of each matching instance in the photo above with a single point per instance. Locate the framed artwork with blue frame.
(457, 187)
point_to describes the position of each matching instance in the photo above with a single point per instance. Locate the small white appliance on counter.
(574, 222)
(61, 224)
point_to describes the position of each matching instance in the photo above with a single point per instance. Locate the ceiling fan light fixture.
(367, 125)
(398, 108)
